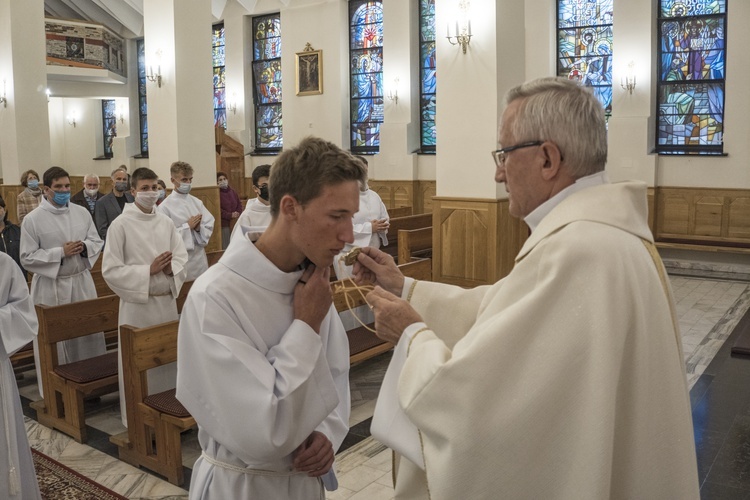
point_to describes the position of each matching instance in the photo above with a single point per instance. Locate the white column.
(24, 130)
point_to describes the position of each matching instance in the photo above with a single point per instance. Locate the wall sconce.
(3, 98)
(233, 103)
(462, 35)
(155, 77)
(72, 118)
(393, 93)
(119, 113)
(49, 94)
(628, 83)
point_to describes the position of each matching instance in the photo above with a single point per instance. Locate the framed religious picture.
(309, 68)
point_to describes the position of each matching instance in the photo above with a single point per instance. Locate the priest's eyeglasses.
(501, 154)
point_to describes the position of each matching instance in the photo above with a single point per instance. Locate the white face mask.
(184, 187)
(90, 192)
(223, 184)
(146, 199)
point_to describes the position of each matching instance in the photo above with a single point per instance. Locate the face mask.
(90, 192)
(61, 198)
(223, 184)
(33, 184)
(121, 186)
(146, 199)
(162, 194)
(184, 188)
(264, 192)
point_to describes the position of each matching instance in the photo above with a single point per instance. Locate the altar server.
(60, 244)
(18, 326)
(257, 213)
(263, 360)
(144, 264)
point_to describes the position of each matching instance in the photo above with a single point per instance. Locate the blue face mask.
(184, 187)
(33, 184)
(61, 199)
(162, 193)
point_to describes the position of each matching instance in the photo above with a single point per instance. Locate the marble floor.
(708, 311)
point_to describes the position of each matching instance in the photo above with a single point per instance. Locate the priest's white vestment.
(18, 327)
(257, 381)
(371, 208)
(256, 215)
(180, 207)
(134, 240)
(58, 279)
(565, 379)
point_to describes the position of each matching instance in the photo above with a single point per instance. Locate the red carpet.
(58, 482)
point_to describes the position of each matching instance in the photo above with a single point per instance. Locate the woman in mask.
(10, 236)
(231, 207)
(30, 197)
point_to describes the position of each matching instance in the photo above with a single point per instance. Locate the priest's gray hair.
(303, 171)
(565, 113)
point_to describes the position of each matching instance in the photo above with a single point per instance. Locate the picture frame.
(309, 71)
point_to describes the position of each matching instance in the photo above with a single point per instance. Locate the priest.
(18, 326)
(60, 244)
(144, 264)
(194, 222)
(262, 320)
(566, 378)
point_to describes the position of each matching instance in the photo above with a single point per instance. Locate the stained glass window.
(142, 107)
(267, 82)
(366, 70)
(220, 95)
(584, 45)
(428, 78)
(690, 88)
(109, 125)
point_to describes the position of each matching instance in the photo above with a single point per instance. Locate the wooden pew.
(155, 421)
(411, 241)
(213, 257)
(102, 288)
(66, 386)
(399, 212)
(398, 223)
(419, 269)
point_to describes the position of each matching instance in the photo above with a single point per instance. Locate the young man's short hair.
(260, 171)
(219, 174)
(303, 171)
(180, 167)
(52, 174)
(142, 173)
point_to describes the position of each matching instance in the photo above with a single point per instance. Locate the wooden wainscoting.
(407, 193)
(705, 215)
(9, 193)
(105, 184)
(475, 241)
(209, 195)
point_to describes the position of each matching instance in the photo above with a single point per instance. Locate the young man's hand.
(194, 222)
(312, 296)
(314, 456)
(161, 262)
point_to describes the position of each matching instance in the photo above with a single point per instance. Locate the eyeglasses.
(501, 154)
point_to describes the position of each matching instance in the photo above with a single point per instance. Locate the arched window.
(427, 76)
(267, 82)
(584, 45)
(142, 107)
(690, 83)
(219, 62)
(366, 70)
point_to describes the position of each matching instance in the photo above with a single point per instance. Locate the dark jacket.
(80, 199)
(107, 209)
(10, 243)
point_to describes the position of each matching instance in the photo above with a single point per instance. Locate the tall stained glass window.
(691, 77)
(220, 95)
(428, 76)
(142, 107)
(267, 82)
(366, 55)
(109, 125)
(584, 45)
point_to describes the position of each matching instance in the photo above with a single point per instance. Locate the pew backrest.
(399, 212)
(413, 240)
(70, 321)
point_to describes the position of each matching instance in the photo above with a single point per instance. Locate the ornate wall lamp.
(155, 76)
(72, 119)
(628, 82)
(462, 33)
(393, 92)
(4, 98)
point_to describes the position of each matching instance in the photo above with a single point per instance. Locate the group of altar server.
(563, 380)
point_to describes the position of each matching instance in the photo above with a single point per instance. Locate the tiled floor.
(708, 311)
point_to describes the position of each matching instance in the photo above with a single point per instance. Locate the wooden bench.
(102, 288)
(66, 386)
(399, 212)
(155, 421)
(213, 257)
(398, 223)
(419, 269)
(412, 241)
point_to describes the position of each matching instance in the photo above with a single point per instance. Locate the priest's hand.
(314, 456)
(72, 248)
(377, 267)
(161, 262)
(194, 221)
(392, 314)
(312, 296)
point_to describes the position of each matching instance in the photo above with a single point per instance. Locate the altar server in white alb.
(144, 264)
(18, 327)
(193, 220)
(564, 380)
(371, 224)
(257, 213)
(263, 360)
(60, 244)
